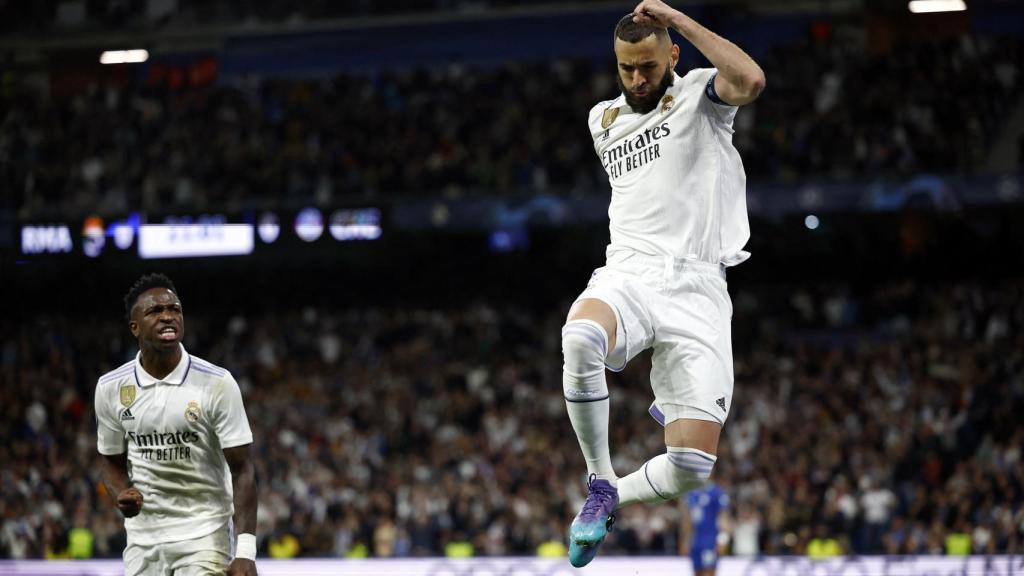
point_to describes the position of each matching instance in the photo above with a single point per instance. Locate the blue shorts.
(703, 558)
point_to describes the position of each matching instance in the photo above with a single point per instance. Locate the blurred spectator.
(958, 542)
(283, 547)
(823, 546)
(746, 532)
(49, 15)
(877, 502)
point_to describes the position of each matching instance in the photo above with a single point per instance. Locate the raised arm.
(243, 482)
(740, 80)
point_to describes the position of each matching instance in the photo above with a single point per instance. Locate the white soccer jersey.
(175, 431)
(678, 185)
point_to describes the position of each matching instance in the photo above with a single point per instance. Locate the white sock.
(666, 476)
(584, 345)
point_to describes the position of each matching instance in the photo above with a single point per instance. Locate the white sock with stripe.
(666, 476)
(584, 346)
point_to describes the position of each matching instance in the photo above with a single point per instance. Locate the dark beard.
(647, 103)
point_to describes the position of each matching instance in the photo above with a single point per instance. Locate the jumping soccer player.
(678, 219)
(176, 445)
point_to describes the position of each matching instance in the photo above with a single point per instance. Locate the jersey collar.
(176, 377)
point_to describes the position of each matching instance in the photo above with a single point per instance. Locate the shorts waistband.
(671, 264)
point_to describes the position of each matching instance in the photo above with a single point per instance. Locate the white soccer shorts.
(681, 309)
(203, 556)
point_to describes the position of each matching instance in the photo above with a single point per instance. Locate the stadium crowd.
(831, 110)
(886, 418)
(47, 16)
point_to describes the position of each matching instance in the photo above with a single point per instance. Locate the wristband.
(246, 547)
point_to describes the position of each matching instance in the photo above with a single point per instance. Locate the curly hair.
(147, 282)
(629, 31)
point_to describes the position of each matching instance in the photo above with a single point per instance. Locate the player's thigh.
(144, 561)
(692, 392)
(702, 435)
(202, 569)
(598, 311)
(204, 556)
(620, 303)
(691, 368)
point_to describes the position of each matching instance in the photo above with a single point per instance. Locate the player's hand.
(242, 567)
(129, 502)
(653, 12)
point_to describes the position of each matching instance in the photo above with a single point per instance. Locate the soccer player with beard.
(175, 441)
(678, 219)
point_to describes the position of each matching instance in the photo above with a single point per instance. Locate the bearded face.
(645, 68)
(646, 97)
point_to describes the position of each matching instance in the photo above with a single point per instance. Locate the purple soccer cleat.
(593, 522)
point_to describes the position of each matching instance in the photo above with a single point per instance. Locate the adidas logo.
(127, 415)
(721, 403)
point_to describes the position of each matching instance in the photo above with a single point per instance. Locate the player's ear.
(134, 327)
(675, 55)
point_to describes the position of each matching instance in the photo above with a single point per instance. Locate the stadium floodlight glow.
(929, 6)
(812, 222)
(124, 56)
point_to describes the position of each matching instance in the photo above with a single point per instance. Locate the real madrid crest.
(608, 117)
(192, 413)
(666, 103)
(127, 394)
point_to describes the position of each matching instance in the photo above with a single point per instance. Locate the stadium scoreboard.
(194, 236)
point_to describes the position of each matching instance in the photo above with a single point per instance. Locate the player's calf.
(667, 476)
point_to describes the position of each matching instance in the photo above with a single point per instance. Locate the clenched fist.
(129, 502)
(654, 13)
(242, 567)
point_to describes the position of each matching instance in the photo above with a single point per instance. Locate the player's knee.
(690, 468)
(584, 347)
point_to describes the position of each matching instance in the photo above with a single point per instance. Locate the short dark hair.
(629, 31)
(147, 282)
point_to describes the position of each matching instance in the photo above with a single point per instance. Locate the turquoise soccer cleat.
(593, 522)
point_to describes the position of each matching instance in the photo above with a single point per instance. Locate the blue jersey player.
(700, 530)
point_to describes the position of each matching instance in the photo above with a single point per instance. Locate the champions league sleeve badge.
(608, 117)
(666, 103)
(192, 413)
(127, 395)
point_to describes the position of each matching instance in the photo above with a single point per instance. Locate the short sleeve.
(593, 116)
(704, 80)
(230, 422)
(594, 123)
(109, 432)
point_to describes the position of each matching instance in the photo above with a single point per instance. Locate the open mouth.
(168, 333)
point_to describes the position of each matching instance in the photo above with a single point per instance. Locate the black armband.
(711, 93)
